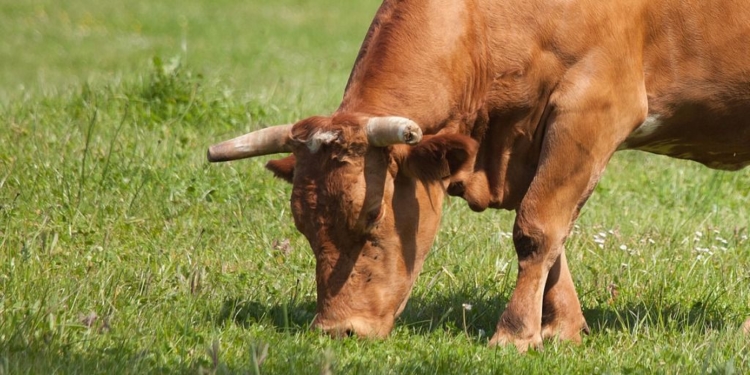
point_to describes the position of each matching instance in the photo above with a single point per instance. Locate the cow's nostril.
(337, 331)
(341, 332)
(353, 327)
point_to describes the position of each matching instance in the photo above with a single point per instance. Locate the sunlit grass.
(123, 251)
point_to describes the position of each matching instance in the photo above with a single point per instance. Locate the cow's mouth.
(360, 327)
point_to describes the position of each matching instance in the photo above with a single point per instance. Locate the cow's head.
(367, 194)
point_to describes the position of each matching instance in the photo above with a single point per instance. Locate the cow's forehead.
(340, 172)
(331, 194)
(342, 128)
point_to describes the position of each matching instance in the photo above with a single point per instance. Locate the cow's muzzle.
(362, 328)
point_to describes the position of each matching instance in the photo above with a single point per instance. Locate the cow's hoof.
(746, 327)
(522, 344)
(565, 331)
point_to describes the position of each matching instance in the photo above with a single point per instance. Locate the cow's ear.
(283, 168)
(438, 157)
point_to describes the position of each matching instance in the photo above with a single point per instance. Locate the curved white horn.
(266, 141)
(387, 131)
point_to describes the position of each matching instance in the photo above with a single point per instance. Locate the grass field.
(123, 251)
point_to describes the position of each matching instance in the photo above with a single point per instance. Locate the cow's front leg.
(581, 136)
(544, 291)
(561, 311)
(544, 302)
(538, 252)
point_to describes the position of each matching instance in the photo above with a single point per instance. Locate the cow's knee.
(535, 241)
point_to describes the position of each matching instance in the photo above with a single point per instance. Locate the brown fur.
(283, 168)
(439, 157)
(548, 90)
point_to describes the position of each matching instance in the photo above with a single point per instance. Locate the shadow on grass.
(448, 312)
(632, 317)
(461, 312)
(465, 312)
(421, 315)
(293, 316)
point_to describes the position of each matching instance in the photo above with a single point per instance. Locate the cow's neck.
(425, 60)
(430, 61)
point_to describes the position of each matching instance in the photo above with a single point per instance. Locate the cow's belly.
(720, 141)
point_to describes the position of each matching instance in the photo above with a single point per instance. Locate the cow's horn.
(266, 141)
(387, 131)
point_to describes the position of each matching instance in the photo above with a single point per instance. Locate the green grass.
(123, 251)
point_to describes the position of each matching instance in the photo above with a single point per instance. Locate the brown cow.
(522, 104)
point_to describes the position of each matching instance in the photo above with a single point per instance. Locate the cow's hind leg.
(561, 311)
